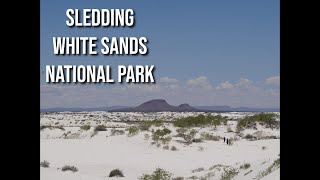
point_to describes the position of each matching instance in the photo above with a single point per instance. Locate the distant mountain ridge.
(160, 105)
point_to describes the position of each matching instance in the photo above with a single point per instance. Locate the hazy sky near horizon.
(208, 53)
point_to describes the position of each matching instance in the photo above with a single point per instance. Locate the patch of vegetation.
(200, 120)
(218, 166)
(115, 132)
(116, 173)
(274, 166)
(158, 174)
(146, 136)
(209, 137)
(263, 148)
(69, 168)
(268, 119)
(245, 166)
(173, 148)
(132, 131)
(229, 173)
(166, 147)
(249, 136)
(193, 177)
(85, 127)
(100, 128)
(198, 170)
(248, 172)
(42, 127)
(159, 135)
(145, 125)
(189, 136)
(44, 164)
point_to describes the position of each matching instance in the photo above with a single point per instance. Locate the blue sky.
(213, 42)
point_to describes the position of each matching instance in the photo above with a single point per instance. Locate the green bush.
(132, 131)
(158, 174)
(100, 128)
(115, 132)
(166, 140)
(200, 120)
(160, 133)
(209, 137)
(145, 125)
(189, 136)
(85, 127)
(269, 119)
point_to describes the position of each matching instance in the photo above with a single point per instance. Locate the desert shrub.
(248, 172)
(209, 137)
(200, 148)
(200, 120)
(193, 177)
(85, 127)
(173, 148)
(249, 136)
(166, 140)
(198, 170)
(158, 174)
(146, 136)
(159, 134)
(115, 132)
(166, 147)
(132, 131)
(116, 173)
(275, 165)
(42, 127)
(263, 148)
(189, 136)
(181, 132)
(100, 128)
(245, 166)
(157, 122)
(145, 125)
(269, 119)
(69, 168)
(44, 164)
(197, 140)
(229, 173)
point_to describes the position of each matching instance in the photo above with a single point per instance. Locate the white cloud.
(273, 80)
(225, 85)
(197, 91)
(168, 80)
(244, 83)
(201, 82)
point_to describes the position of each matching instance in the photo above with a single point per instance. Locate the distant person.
(224, 139)
(227, 141)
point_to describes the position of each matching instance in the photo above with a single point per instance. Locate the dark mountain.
(158, 105)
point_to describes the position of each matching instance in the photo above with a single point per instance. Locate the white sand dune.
(96, 156)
